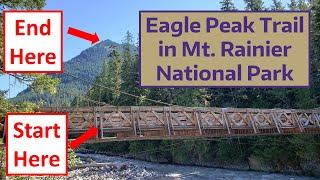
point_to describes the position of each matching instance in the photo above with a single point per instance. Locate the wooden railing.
(139, 123)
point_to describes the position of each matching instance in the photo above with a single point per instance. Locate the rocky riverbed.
(107, 167)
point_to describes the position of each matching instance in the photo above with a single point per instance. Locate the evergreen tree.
(254, 5)
(299, 5)
(114, 75)
(227, 5)
(293, 5)
(20, 4)
(130, 76)
(277, 5)
(110, 77)
(316, 51)
(303, 5)
(38, 83)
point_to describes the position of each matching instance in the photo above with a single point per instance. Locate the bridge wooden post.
(276, 120)
(95, 120)
(226, 120)
(170, 120)
(165, 115)
(296, 118)
(100, 127)
(316, 117)
(195, 114)
(133, 120)
(138, 120)
(253, 123)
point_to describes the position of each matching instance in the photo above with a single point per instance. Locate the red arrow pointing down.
(93, 131)
(84, 35)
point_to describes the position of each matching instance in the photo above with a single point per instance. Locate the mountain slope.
(87, 65)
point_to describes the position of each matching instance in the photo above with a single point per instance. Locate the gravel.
(117, 168)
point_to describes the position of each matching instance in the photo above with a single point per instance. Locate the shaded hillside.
(87, 65)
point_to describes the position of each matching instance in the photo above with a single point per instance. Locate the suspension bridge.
(126, 123)
(156, 122)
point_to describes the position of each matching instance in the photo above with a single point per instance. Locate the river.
(122, 168)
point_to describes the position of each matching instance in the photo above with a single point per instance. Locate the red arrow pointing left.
(84, 35)
(83, 138)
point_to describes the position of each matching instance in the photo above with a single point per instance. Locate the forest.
(299, 154)
(291, 154)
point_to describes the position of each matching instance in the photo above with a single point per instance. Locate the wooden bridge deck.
(143, 122)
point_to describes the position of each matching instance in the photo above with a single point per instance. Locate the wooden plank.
(252, 122)
(225, 120)
(276, 120)
(95, 120)
(155, 114)
(189, 121)
(198, 121)
(296, 118)
(167, 120)
(133, 120)
(101, 128)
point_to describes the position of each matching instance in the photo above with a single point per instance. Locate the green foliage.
(73, 160)
(254, 5)
(279, 152)
(277, 5)
(130, 75)
(116, 69)
(299, 5)
(2, 162)
(110, 78)
(23, 4)
(17, 4)
(231, 151)
(86, 66)
(315, 88)
(44, 83)
(227, 5)
(38, 83)
(293, 5)
(5, 106)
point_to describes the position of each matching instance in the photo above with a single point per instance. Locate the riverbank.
(294, 155)
(123, 168)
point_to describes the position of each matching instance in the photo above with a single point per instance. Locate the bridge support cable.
(121, 92)
(27, 81)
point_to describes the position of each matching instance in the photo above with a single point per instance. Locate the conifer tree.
(110, 77)
(227, 5)
(303, 5)
(299, 4)
(114, 75)
(39, 83)
(316, 50)
(254, 5)
(277, 5)
(130, 74)
(293, 5)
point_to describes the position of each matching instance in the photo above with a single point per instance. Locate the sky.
(110, 20)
